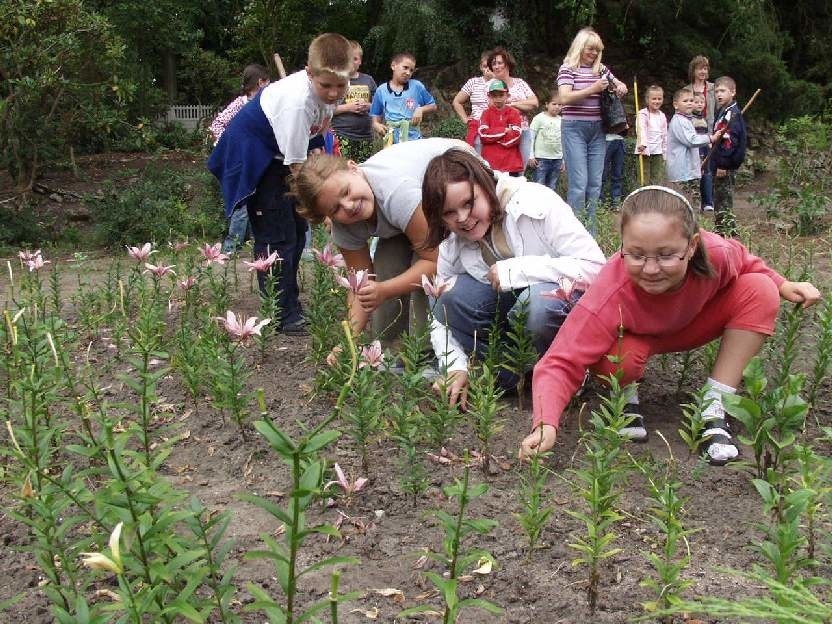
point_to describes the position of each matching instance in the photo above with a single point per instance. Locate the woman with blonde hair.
(581, 80)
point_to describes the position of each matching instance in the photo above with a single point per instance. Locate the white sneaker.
(635, 430)
(719, 446)
(708, 209)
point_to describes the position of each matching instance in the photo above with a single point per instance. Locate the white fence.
(189, 115)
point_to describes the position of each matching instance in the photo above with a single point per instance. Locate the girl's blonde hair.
(309, 181)
(585, 37)
(671, 204)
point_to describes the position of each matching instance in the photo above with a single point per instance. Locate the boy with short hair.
(700, 124)
(265, 142)
(352, 123)
(730, 140)
(547, 145)
(399, 105)
(683, 164)
(500, 130)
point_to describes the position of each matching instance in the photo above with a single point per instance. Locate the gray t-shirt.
(395, 175)
(355, 125)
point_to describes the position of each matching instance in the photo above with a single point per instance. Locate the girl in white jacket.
(500, 241)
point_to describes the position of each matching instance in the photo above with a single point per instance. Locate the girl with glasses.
(673, 287)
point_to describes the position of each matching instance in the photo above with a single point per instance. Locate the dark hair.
(455, 165)
(669, 203)
(398, 58)
(508, 59)
(252, 75)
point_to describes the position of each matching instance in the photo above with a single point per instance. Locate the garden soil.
(391, 534)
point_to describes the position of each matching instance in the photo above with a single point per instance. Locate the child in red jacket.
(500, 131)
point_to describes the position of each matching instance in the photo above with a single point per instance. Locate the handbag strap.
(498, 245)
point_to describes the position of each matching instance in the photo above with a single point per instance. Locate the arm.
(529, 102)
(375, 293)
(459, 105)
(377, 113)
(419, 112)
(222, 120)
(357, 259)
(489, 134)
(641, 130)
(426, 104)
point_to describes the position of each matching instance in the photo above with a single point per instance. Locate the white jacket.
(548, 243)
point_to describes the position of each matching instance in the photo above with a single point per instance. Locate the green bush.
(450, 127)
(19, 227)
(162, 205)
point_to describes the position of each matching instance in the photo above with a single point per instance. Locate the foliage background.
(89, 74)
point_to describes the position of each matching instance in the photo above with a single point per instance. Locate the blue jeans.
(238, 230)
(584, 148)
(548, 172)
(706, 182)
(526, 146)
(614, 170)
(468, 309)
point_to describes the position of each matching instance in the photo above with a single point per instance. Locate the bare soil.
(390, 534)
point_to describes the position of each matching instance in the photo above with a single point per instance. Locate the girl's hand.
(800, 292)
(533, 162)
(494, 278)
(640, 148)
(371, 296)
(456, 385)
(538, 441)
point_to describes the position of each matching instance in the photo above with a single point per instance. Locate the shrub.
(160, 206)
(19, 226)
(450, 127)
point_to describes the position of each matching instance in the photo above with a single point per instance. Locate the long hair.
(667, 202)
(695, 63)
(455, 165)
(585, 37)
(309, 181)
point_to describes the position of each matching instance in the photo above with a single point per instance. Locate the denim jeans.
(239, 230)
(469, 309)
(584, 148)
(548, 172)
(706, 182)
(276, 226)
(526, 146)
(614, 171)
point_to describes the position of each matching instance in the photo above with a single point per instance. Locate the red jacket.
(500, 135)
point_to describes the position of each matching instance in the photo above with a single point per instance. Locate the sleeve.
(398, 207)
(291, 129)
(734, 137)
(664, 136)
(641, 128)
(581, 341)
(686, 134)
(425, 98)
(488, 131)
(566, 77)
(571, 253)
(468, 87)
(377, 107)
(371, 84)
(513, 128)
(222, 120)
(448, 351)
(523, 89)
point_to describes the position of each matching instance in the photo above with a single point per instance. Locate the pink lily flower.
(242, 328)
(187, 283)
(179, 245)
(329, 256)
(36, 263)
(212, 254)
(159, 271)
(348, 487)
(263, 264)
(434, 287)
(140, 254)
(27, 256)
(355, 280)
(371, 355)
(567, 287)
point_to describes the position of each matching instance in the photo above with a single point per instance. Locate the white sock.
(715, 390)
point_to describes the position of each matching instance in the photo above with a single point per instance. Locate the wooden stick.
(744, 108)
(281, 71)
(640, 155)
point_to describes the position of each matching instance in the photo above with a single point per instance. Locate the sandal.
(718, 432)
(635, 430)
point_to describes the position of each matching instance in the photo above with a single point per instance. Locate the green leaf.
(330, 561)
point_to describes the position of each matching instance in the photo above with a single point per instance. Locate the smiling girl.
(500, 242)
(673, 287)
(380, 197)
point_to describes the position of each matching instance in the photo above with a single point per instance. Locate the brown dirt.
(389, 534)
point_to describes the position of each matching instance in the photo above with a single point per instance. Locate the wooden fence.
(190, 115)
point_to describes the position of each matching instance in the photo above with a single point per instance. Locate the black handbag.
(613, 117)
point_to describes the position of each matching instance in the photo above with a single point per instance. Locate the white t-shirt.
(395, 176)
(295, 114)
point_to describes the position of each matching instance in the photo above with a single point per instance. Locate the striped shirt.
(477, 90)
(518, 90)
(589, 108)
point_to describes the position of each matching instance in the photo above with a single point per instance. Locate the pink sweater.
(591, 329)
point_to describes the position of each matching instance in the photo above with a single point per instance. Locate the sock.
(715, 411)
(631, 393)
(635, 430)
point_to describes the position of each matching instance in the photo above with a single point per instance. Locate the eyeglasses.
(666, 261)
